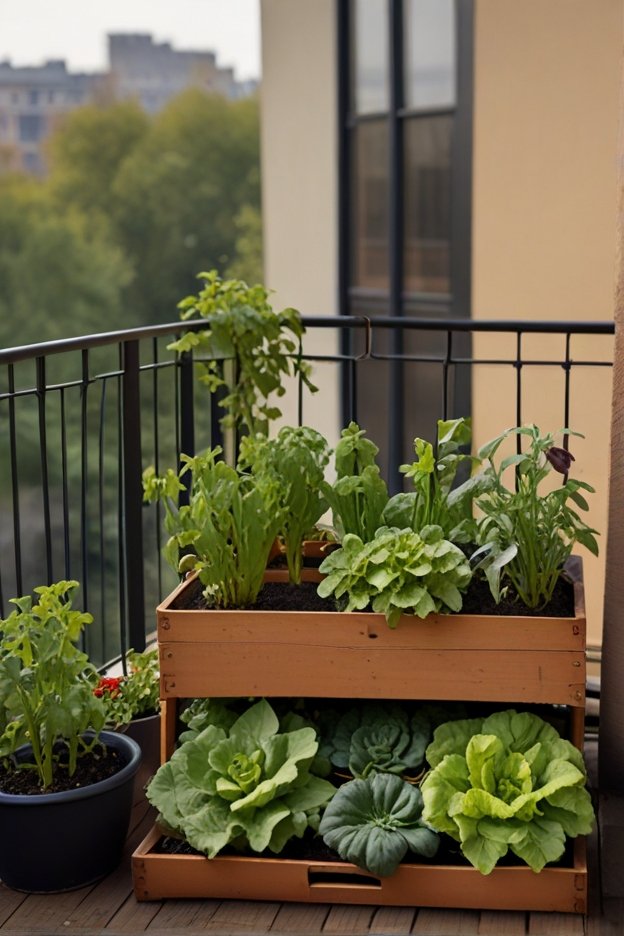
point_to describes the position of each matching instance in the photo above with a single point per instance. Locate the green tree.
(180, 193)
(60, 275)
(87, 150)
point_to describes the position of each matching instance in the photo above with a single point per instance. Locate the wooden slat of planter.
(518, 888)
(330, 628)
(286, 669)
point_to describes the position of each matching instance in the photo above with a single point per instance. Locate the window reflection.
(429, 53)
(427, 204)
(370, 205)
(370, 56)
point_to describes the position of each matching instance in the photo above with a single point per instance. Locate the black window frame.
(396, 301)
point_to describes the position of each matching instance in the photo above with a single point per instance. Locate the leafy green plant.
(526, 535)
(434, 500)
(359, 493)
(250, 785)
(398, 572)
(374, 822)
(227, 527)
(135, 695)
(507, 782)
(295, 461)
(46, 683)
(380, 737)
(262, 344)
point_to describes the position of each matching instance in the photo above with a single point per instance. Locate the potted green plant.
(65, 784)
(258, 346)
(132, 704)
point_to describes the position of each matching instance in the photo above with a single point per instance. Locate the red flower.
(559, 458)
(108, 685)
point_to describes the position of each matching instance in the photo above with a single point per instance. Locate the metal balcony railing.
(81, 418)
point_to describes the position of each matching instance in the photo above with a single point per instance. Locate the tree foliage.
(133, 207)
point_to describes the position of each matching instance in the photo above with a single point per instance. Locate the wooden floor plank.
(10, 900)
(393, 921)
(446, 922)
(354, 920)
(300, 918)
(608, 923)
(242, 916)
(44, 913)
(182, 917)
(502, 923)
(133, 917)
(556, 924)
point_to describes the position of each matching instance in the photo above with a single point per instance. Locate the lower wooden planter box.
(470, 658)
(157, 876)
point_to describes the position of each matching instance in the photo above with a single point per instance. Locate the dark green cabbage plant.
(374, 822)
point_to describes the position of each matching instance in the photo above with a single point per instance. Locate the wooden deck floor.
(110, 908)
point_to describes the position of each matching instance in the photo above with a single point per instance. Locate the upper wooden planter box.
(340, 655)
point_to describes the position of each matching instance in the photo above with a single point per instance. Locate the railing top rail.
(86, 342)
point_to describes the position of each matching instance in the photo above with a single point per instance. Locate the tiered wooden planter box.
(511, 660)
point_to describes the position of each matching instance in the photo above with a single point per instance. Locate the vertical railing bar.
(84, 468)
(216, 412)
(121, 543)
(176, 401)
(187, 412)
(17, 536)
(65, 491)
(133, 495)
(43, 459)
(103, 603)
(156, 400)
(300, 389)
(567, 367)
(353, 386)
(518, 366)
(446, 373)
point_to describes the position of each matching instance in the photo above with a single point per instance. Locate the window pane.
(429, 53)
(370, 56)
(370, 205)
(427, 188)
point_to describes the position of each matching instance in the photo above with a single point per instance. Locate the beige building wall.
(544, 202)
(299, 153)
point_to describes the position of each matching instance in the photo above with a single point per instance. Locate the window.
(31, 127)
(405, 92)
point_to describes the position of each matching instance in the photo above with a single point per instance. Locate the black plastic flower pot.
(61, 841)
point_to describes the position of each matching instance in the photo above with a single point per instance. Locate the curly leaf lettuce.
(374, 822)
(249, 785)
(508, 782)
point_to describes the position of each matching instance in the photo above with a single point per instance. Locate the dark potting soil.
(91, 768)
(312, 848)
(279, 596)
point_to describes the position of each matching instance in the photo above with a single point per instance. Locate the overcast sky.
(32, 31)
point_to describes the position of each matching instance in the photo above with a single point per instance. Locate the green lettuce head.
(247, 784)
(507, 782)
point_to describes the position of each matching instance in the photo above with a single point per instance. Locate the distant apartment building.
(33, 98)
(153, 72)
